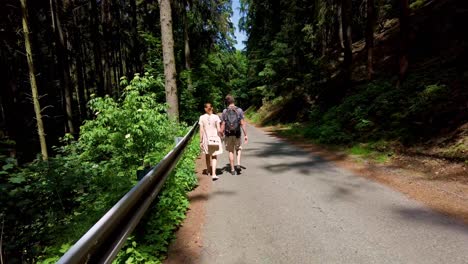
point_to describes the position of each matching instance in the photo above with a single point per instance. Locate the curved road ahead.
(291, 207)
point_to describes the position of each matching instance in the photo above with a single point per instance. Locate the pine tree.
(168, 57)
(32, 78)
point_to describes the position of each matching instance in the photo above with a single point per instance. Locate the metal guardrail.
(104, 240)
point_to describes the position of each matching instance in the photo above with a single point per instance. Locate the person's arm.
(243, 125)
(202, 131)
(244, 129)
(221, 127)
(218, 126)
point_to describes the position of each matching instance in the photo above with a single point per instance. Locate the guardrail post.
(178, 139)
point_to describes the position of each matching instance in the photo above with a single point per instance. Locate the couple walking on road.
(229, 128)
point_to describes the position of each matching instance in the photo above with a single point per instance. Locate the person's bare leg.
(231, 159)
(239, 157)
(208, 162)
(214, 161)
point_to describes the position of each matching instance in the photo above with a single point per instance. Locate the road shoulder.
(186, 248)
(444, 196)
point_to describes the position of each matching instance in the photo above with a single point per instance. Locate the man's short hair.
(229, 99)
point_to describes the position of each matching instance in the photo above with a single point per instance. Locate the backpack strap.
(223, 116)
(235, 108)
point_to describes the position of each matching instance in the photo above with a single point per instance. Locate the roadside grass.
(376, 151)
(366, 151)
(252, 115)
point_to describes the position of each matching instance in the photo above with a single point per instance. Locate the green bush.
(222, 72)
(378, 151)
(49, 205)
(415, 4)
(151, 243)
(378, 110)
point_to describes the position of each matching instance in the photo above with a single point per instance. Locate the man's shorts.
(233, 143)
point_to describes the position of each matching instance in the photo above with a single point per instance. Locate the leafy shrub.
(378, 110)
(46, 205)
(38, 201)
(329, 132)
(378, 151)
(155, 234)
(415, 4)
(135, 131)
(221, 73)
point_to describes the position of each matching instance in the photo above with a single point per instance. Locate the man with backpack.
(232, 122)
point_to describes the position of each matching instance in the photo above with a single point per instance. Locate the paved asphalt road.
(288, 206)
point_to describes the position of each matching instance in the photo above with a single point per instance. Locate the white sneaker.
(214, 177)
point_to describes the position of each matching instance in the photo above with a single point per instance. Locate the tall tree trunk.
(32, 78)
(115, 61)
(404, 40)
(97, 49)
(370, 38)
(121, 60)
(168, 57)
(347, 38)
(340, 24)
(277, 15)
(106, 28)
(87, 82)
(63, 61)
(135, 60)
(80, 75)
(188, 59)
(324, 41)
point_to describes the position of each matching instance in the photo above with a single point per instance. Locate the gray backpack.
(232, 126)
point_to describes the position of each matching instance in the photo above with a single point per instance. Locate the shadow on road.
(219, 171)
(347, 188)
(278, 148)
(305, 168)
(284, 151)
(430, 217)
(205, 197)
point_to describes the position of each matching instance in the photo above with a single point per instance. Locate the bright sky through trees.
(240, 35)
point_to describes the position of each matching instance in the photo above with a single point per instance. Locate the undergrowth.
(373, 151)
(378, 112)
(151, 240)
(47, 206)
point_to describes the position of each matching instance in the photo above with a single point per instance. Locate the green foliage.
(134, 253)
(49, 205)
(154, 61)
(359, 150)
(373, 151)
(132, 131)
(155, 234)
(375, 111)
(222, 73)
(330, 132)
(38, 201)
(415, 4)
(188, 99)
(269, 112)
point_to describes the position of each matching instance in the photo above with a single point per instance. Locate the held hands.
(246, 139)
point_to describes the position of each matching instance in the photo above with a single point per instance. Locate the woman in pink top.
(210, 142)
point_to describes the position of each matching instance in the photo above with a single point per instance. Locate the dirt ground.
(187, 246)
